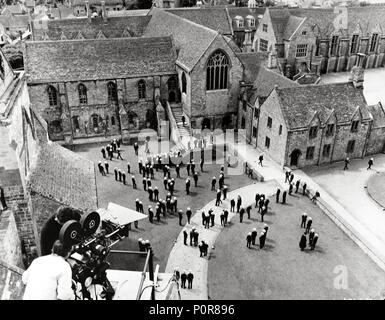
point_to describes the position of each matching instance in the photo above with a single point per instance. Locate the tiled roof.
(115, 27)
(80, 60)
(63, 176)
(14, 21)
(15, 8)
(210, 17)
(284, 24)
(378, 114)
(96, 2)
(300, 104)
(262, 78)
(191, 39)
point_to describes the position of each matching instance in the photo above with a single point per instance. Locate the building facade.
(322, 40)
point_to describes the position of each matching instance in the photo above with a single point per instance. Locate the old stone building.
(322, 40)
(85, 7)
(86, 88)
(257, 84)
(315, 124)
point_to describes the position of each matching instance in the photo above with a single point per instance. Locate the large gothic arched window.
(52, 96)
(141, 89)
(217, 71)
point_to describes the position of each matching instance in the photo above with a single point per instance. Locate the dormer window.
(240, 23)
(313, 132)
(304, 33)
(250, 21)
(354, 127)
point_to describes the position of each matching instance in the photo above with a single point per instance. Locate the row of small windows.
(327, 149)
(82, 93)
(96, 119)
(354, 44)
(240, 22)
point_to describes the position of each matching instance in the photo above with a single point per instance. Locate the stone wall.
(10, 245)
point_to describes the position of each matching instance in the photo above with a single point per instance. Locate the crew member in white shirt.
(49, 277)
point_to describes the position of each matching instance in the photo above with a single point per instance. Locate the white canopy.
(120, 215)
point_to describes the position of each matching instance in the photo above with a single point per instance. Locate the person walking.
(192, 236)
(226, 216)
(290, 188)
(346, 161)
(370, 163)
(277, 195)
(188, 214)
(119, 154)
(213, 182)
(133, 181)
(103, 153)
(180, 214)
(260, 160)
(195, 175)
(188, 186)
(225, 188)
(311, 237)
(248, 210)
(212, 218)
(183, 120)
(218, 200)
(262, 239)
(241, 213)
(304, 188)
(106, 166)
(257, 197)
(263, 212)
(222, 217)
(302, 242)
(248, 240)
(297, 185)
(239, 203)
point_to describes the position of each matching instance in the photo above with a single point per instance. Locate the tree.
(14, 55)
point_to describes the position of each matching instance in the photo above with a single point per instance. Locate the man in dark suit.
(51, 229)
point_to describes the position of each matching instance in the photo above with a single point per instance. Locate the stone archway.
(294, 156)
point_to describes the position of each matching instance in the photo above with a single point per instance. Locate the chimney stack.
(88, 11)
(104, 12)
(357, 72)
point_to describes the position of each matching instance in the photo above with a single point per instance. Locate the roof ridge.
(95, 39)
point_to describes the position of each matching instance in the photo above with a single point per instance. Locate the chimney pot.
(88, 10)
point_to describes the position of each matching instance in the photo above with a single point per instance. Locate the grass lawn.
(161, 235)
(280, 270)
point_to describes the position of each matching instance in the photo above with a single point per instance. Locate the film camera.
(90, 240)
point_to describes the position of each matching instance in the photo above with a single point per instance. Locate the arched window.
(112, 120)
(52, 96)
(184, 83)
(142, 89)
(112, 92)
(75, 122)
(82, 90)
(217, 71)
(95, 121)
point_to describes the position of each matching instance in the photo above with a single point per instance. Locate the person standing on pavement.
(180, 214)
(133, 181)
(290, 188)
(248, 210)
(277, 195)
(311, 237)
(315, 239)
(185, 235)
(212, 218)
(232, 205)
(284, 197)
(262, 239)
(213, 182)
(188, 214)
(254, 234)
(257, 197)
(308, 225)
(226, 216)
(225, 188)
(302, 242)
(218, 200)
(297, 185)
(241, 213)
(190, 278)
(239, 203)
(304, 189)
(303, 221)
(183, 278)
(248, 240)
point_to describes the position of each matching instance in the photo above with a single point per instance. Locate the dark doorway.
(206, 124)
(172, 85)
(294, 157)
(226, 122)
(171, 96)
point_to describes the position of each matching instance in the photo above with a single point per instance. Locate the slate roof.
(284, 24)
(216, 19)
(191, 39)
(300, 104)
(14, 8)
(115, 27)
(81, 60)
(378, 114)
(63, 176)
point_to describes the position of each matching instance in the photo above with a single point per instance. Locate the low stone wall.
(10, 245)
